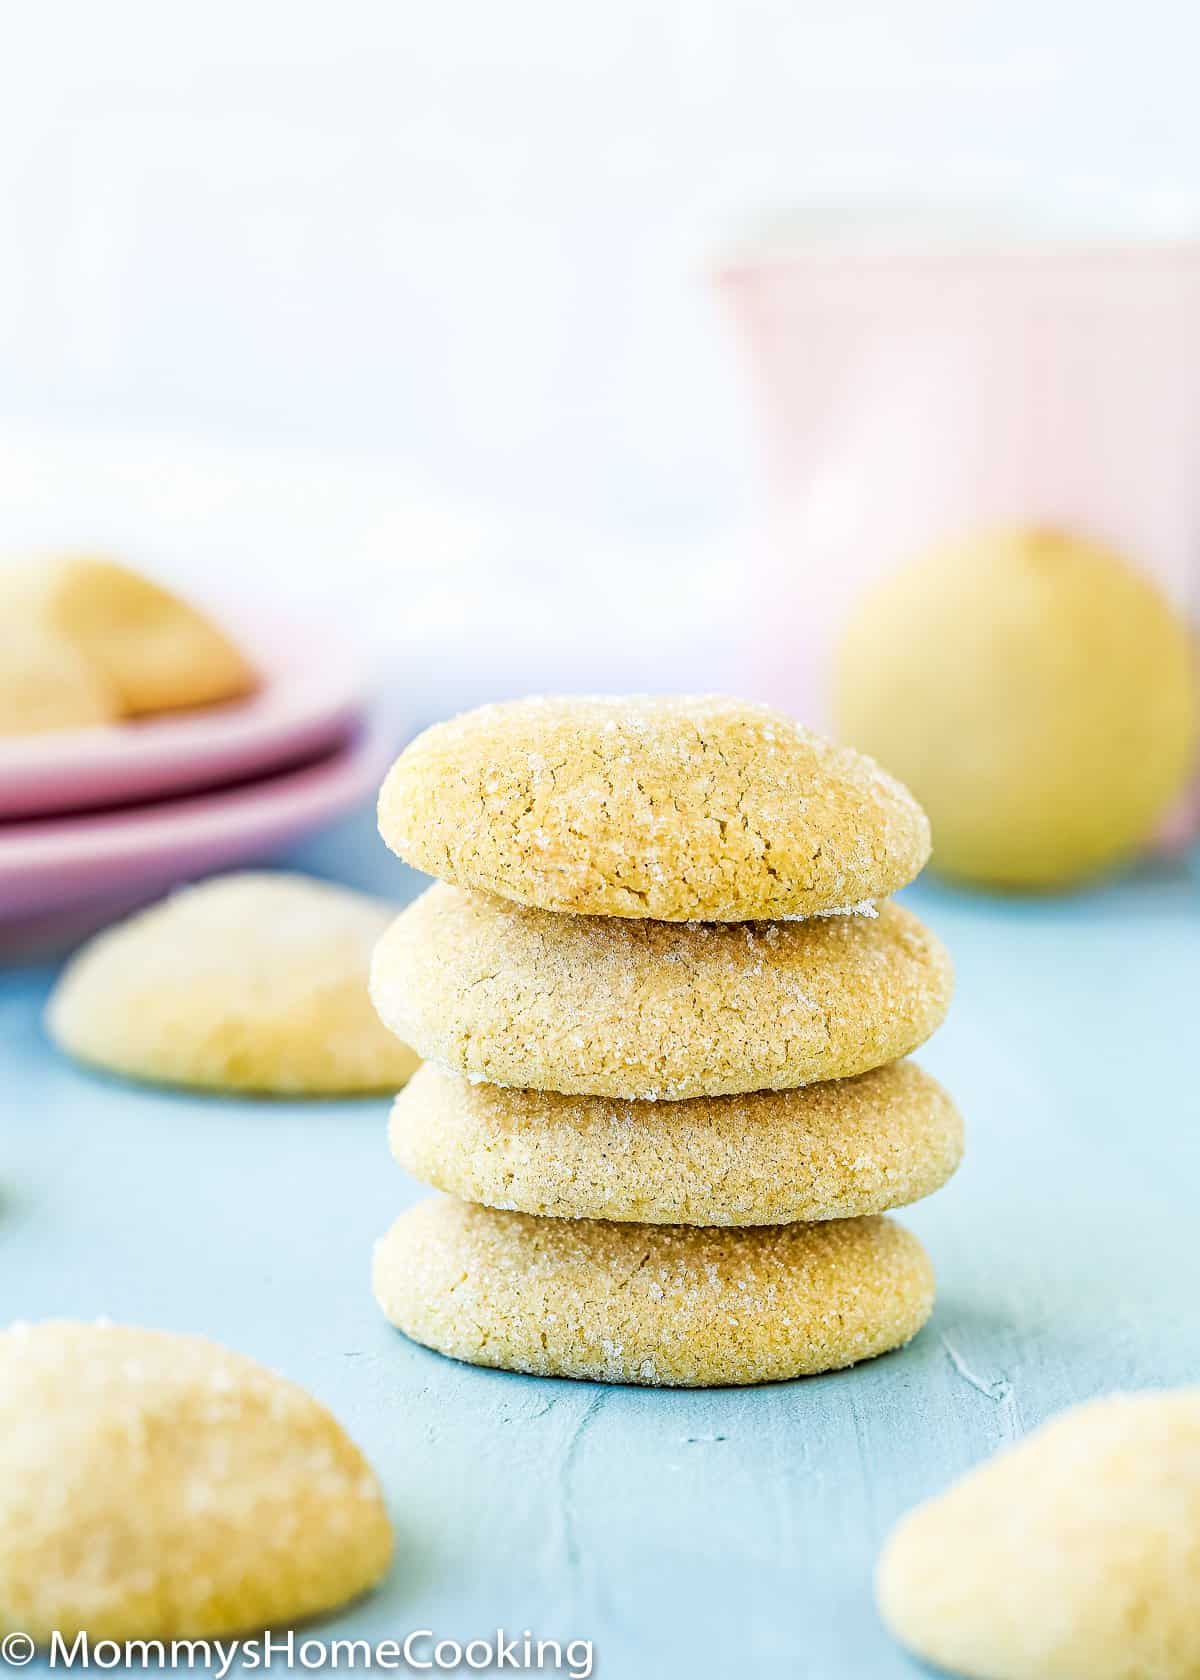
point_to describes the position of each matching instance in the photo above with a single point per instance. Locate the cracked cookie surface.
(662, 1305)
(600, 1006)
(682, 808)
(831, 1151)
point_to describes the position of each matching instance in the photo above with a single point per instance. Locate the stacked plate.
(96, 821)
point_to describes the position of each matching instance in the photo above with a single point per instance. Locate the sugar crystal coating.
(662, 1305)
(829, 1151)
(676, 808)
(606, 1006)
(1073, 1555)
(155, 1485)
(249, 982)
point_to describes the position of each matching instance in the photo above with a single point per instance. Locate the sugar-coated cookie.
(248, 982)
(670, 1305)
(150, 650)
(45, 684)
(829, 1151)
(156, 1485)
(692, 808)
(612, 1007)
(1074, 1555)
(1038, 694)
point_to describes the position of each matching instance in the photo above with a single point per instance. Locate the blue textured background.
(726, 1532)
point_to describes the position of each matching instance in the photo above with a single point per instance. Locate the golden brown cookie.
(1074, 1555)
(681, 809)
(829, 1151)
(612, 1007)
(666, 1305)
(248, 982)
(156, 1486)
(1036, 691)
(147, 648)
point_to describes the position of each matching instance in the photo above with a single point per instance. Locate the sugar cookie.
(45, 684)
(669, 1305)
(1037, 693)
(248, 982)
(603, 1006)
(681, 809)
(1074, 1555)
(829, 1151)
(150, 650)
(156, 1485)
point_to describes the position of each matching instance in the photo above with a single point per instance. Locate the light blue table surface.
(727, 1533)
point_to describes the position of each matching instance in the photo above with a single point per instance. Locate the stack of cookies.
(663, 1002)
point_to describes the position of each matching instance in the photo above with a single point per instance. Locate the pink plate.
(310, 699)
(62, 876)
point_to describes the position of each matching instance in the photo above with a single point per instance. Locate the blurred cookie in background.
(254, 982)
(1036, 692)
(46, 684)
(145, 649)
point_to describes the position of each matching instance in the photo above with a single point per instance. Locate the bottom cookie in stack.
(686, 1306)
(711, 1241)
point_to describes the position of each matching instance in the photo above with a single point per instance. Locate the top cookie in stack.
(666, 908)
(679, 809)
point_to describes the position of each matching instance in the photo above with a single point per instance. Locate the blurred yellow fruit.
(1036, 693)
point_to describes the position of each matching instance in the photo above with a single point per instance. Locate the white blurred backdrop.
(401, 311)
